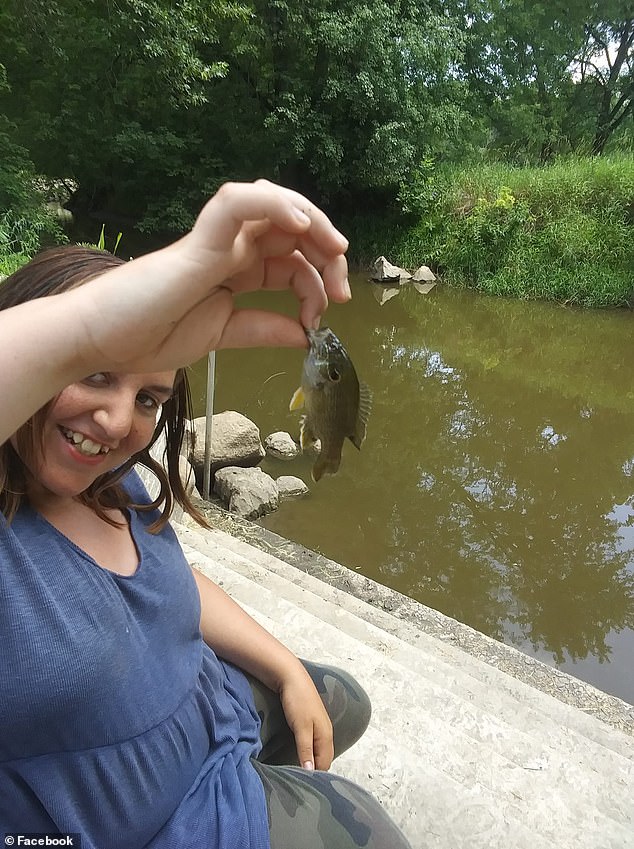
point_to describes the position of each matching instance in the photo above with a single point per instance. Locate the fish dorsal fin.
(297, 401)
(365, 405)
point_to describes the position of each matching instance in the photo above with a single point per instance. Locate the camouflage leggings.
(319, 810)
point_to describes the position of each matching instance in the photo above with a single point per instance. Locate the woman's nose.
(115, 418)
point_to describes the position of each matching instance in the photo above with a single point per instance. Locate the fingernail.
(301, 215)
(314, 325)
(308, 765)
(342, 238)
(346, 287)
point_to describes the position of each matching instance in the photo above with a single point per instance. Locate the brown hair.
(52, 272)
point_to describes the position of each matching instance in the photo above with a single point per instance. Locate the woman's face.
(94, 426)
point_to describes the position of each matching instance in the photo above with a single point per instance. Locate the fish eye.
(333, 374)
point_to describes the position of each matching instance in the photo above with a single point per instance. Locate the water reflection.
(496, 482)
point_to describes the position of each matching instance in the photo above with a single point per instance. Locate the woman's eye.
(148, 401)
(99, 378)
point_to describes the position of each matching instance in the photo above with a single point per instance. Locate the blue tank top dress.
(117, 722)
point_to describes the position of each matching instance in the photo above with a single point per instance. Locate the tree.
(335, 98)
(606, 67)
(549, 77)
(102, 95)
(148, 104)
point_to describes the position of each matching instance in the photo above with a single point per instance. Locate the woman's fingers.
(333, 268)
(324, 753)
(261, 329)
(335, 277)
(222, 218)
(248, 236)
(294, 272)
(329, 273)
(321, 232)
(304, 745)
(315, 749)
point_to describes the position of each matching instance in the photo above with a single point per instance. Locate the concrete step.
(442, 662)
(445, 789)
(457, 751)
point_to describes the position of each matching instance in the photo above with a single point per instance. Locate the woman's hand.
(238, 638)
(169, 308)
(307, 718)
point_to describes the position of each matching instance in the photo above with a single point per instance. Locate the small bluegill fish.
(336, 404)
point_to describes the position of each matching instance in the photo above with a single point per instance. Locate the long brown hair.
(52, 272)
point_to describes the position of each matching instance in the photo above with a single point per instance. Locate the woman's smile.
(84, 444)
(94, 426)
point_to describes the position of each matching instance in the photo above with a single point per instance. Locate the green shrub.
(563, 232)
(26, 223)
(11, 262)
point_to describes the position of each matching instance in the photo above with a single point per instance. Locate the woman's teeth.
(83, 444)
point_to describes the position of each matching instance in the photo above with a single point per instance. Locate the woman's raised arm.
(168, 308)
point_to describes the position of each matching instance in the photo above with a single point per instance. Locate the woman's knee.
(345, 700)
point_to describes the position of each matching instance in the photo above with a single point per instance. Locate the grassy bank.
(564, 232)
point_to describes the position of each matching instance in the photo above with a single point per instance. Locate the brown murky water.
(496, 483)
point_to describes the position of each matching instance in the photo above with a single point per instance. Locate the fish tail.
(325, 466)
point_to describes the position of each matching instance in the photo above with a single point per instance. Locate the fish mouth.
(317, 336)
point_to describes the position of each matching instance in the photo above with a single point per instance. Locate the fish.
(336, 404)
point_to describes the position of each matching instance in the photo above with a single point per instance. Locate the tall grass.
(10, 262)
(26, 222)
(564, 232)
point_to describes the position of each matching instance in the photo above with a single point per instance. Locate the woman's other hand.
(307, 718)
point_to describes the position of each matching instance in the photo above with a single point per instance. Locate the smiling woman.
(51, 273)
(141, 706)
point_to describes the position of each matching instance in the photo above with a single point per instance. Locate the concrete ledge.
(565, 688)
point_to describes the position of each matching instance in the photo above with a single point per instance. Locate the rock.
(291, 487)
(63, 215)
(235, 441)
(424, 274)
(385, 272)
(248, 493)
(281, 445)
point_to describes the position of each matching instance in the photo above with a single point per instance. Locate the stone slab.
(451, 769)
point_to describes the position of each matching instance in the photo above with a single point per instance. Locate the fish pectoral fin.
(361, 424)
(306, 436)
(297, 401)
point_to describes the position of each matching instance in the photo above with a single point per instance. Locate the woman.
(137, 697)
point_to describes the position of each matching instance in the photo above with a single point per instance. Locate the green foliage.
(101, 242)
(545, 79)
(564, 232)
(25, 222)
(150, 105)
(11, 262)
(108, 97)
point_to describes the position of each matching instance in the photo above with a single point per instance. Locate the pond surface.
(496, 483)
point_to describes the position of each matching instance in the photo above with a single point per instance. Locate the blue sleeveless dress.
(117, 722)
